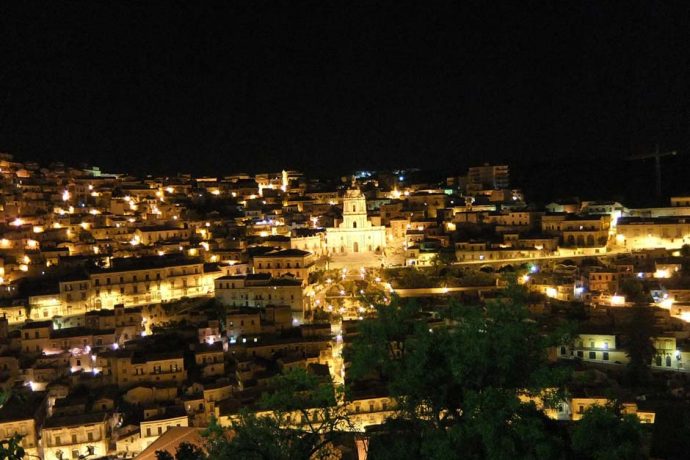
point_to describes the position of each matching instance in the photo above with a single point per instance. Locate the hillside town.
(135, 312)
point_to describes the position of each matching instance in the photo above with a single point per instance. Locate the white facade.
(355, 233)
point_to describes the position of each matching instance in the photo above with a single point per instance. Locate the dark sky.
(320, 85)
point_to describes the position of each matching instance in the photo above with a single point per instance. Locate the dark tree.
(464, 390)
(633, 290)
(640, 348)
(184, 451)
(604, 434)
(302, 422)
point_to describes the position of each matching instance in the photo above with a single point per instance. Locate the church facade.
(355, 233)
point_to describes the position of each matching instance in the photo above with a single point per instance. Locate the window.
(563, 350)
(592, 355)
(148, 431)
(89, 436)
(74, 439)
(57, 440)
(606, 356)
(580, 354)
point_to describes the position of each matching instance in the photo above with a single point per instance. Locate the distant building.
(489, 176)
(355, 233)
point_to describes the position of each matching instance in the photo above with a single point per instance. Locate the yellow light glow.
(215, 192)
(170, 190)
(38, 229)
(18, 222)
(662, 273)
(666, 303)
(24, 267)
(617, 300)
(26, 259)
(65, 195)
(551, 292)
(32, 244)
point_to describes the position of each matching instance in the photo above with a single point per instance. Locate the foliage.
(459, 389)
(11, 448)
(184, 451)
(671, 439)
(604, 434)
(639, 331)
(303, 421)
(633, 290)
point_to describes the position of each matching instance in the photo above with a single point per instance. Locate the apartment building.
(76, 436)
(129, 368)
(261, 290)
(294, 263)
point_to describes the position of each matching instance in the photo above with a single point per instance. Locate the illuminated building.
(661, 232)
(72, 436)
(355, 233)
(24, 415)
(260, 290)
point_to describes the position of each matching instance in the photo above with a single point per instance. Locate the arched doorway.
(355, 247)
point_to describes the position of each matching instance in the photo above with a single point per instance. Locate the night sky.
(213, 88)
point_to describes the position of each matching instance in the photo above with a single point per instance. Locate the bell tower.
(354, 208)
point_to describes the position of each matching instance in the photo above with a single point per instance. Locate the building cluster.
(129, 306)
